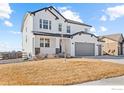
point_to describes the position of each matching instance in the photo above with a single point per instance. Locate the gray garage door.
(84, 49)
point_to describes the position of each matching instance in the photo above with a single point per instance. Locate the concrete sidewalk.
(109, 81)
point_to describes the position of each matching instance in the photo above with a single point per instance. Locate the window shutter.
(50, 25)
(40, 23)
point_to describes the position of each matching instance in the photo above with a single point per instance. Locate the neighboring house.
(1, 56)
(10, 55)
(112, 44)
(47, 32)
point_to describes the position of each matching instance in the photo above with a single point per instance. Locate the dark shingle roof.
(60, 35)
(76, 22)
(68, 20)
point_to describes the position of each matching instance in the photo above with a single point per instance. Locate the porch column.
(33, 46)
(57, 42)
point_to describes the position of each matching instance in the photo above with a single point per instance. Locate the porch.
(49, 45)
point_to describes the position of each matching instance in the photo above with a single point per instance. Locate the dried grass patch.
(58, 72)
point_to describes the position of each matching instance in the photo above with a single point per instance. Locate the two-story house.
(47, 32)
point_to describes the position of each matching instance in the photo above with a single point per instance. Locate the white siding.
(86, 39)
(48, 16)
(28, 24)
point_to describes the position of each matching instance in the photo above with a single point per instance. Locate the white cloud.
(69, 14)
(63, 8)
(103, 18)
(14, 32)
(5, 11)
(103, 29)
(93, 29)
(115, 12)
(4, 47)
(8, 23)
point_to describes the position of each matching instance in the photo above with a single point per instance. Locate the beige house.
(112, 44)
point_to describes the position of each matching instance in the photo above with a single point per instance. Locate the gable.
(58, 15)
(52, 11)
(114, 37)
(107, 40)
(85, 38)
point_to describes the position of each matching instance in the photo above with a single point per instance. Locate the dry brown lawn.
(58, 72)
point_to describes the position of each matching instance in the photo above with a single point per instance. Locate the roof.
(76, 22)
(116, 37)
(84, 33)
(50, 34)
(68, 20)
(60, 35)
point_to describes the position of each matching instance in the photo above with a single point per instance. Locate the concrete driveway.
(109, 81)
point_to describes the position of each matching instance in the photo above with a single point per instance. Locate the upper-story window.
(50, 25)
(60, 27)
(45, 24)
(40, 23)
(86, 29)
(68, 29)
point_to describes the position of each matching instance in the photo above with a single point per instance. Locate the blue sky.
(105, 19)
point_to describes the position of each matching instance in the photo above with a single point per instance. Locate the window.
(60, 27)
(68, 29)
(40, 23)
(86, 29)
(45, 24)
(50, 25)
(47, 42)
(42, 42)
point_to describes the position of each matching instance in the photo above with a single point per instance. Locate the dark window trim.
(47, 44)
(45, 24)
(60, 27)
(41, 43)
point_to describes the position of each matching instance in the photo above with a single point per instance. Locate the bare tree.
(64, 46)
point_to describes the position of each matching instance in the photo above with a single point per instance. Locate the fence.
(1, 57)
(10, 55)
